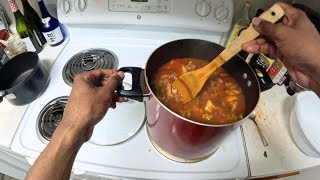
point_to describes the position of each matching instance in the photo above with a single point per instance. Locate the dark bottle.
(51, 27)
(246, 56)
(25, 30)
(241, 24)
(32, 17)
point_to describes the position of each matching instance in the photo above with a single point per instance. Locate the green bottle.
(25, 30)
(242, 23)
(32, 17)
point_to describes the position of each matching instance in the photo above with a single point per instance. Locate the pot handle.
(136, 93)
(265, 82)
(2, 96)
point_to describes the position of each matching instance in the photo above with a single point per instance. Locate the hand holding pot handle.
(2, 96)
(136, 93)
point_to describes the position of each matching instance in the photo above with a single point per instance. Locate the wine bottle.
(25, 30)
(32, 17)
(50, 27)
(241, 24)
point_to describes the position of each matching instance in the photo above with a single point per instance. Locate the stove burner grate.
(50, 116)
(88, 60)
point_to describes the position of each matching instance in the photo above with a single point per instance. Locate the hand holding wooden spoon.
(191, 83)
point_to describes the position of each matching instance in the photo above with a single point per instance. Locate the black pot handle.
(2, 96)
(265, 82)
(136, 93)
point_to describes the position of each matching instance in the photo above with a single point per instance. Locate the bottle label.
(277, 71)
(29, 45)
(54, 37)
(13, 5)
(3, 57)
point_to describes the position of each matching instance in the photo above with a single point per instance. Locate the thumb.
(268, 29)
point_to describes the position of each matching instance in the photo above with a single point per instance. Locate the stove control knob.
(66, 6)
(203, 8)
(221, 13)
(81, 5)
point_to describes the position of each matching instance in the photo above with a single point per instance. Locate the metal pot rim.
(186, 119)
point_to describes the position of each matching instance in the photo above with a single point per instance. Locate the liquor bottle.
(3, 19)
(242, 24)
(246, 56)
(33, 18)
(25, 30)
(51, 27)
(265, 61)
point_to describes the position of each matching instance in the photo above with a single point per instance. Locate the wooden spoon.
(190, 84)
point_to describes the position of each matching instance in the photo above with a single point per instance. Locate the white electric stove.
(114, 34)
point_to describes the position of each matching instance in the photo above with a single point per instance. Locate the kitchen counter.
(11, 115)
(9, 121)
(282, 155)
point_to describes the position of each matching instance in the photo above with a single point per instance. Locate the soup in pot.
(221, 100)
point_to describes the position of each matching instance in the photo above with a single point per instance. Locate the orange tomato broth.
(221, 100)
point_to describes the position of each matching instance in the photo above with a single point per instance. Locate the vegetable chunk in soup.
(221, 100)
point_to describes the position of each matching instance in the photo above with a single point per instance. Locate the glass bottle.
(241, 24)
(3, 18)
(25, 30)
(51, 27)
(32, 17)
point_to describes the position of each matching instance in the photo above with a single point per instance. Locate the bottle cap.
(13, 6)
(247, 4)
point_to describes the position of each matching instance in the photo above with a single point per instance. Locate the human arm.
(295, 41)
(91, 96)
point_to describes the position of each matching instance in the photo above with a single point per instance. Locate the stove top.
(50, 117)
(112, 34)
(130, 154)
(88, 60)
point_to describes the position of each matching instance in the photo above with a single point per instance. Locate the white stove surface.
(135, 158)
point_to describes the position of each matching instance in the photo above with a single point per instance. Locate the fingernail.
(121, 74)
(256, 21)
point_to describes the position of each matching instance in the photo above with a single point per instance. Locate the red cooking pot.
(174, 136)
